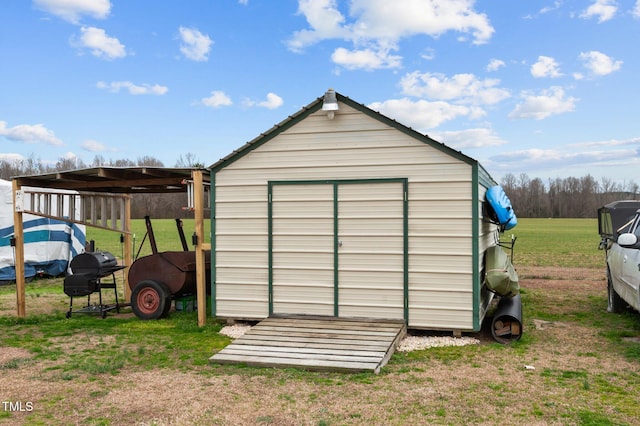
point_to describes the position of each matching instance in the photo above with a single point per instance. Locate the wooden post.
(128, 246)
(18, 233)
(198, 204)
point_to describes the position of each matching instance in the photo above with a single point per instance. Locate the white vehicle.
(619, 225)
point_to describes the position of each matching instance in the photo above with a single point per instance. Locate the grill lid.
(98, 263)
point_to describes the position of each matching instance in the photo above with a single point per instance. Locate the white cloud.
(421, 114)
(11, 157)
(375, 27)
(144, 89)
(382, 19)
(599, 63)
(463, 88)
(470, 138)
(604, 10)
(367, 59)
(101, 45)
(563, 158)
(547, 9)
(325, 21)
(273, 101)
(93, 146)
(217, 99)
(636, 9)
(69, 155)
(607, 143)
(495, 65)
(539, 106)
(29, 133)
(545, 67)
(195, 45)
(429, 54)
(73, 10)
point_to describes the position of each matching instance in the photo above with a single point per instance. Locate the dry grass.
(576, 378)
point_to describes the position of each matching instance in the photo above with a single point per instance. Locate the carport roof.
(125, 180)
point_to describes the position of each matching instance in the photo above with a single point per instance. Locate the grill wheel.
(150, 300)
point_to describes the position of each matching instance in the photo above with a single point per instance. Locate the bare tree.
(69, 163)
(189, 161)
(149, 161)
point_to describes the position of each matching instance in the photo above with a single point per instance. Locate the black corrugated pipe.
(506, 326)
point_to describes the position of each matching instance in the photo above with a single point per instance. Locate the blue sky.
(546, 88)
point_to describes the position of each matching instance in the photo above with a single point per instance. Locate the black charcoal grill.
(89, 271)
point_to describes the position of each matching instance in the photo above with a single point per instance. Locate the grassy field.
(582, 364)
(164, 230)
(557, 242)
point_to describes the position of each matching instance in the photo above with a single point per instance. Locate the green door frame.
(336, 184)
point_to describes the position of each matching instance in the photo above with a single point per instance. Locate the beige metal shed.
(340, 211)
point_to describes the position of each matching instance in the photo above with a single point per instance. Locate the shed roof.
(315, 106)
(124, 180)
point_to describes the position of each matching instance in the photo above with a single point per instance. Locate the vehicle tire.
(149, 300)
(615, 304)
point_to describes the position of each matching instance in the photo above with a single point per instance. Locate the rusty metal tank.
(176, 269)
(156, 279)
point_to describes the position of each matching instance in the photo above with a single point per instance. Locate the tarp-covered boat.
(500, 275)
(501, 210)
(49, 244)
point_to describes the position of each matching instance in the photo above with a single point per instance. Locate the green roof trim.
(484, 177)
(267, 136)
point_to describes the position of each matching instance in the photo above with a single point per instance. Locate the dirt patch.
(8, 354)
(562, 279)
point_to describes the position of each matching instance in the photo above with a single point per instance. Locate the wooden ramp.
(316, 343)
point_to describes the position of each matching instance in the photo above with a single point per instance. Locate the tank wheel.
(149, 300)
(615, 303)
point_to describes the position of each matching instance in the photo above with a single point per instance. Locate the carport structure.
(104, 200)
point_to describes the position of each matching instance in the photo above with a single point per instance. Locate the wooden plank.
(316, 343)
(319, 332)
(393, 346)
(330, 322)
(303, 356)
(301, 342)
(342, 330)
(306, 350)
(350, 338)
(329, 332)
(305, 364)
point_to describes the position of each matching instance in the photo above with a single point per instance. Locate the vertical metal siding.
(302, 249)
(371, 250)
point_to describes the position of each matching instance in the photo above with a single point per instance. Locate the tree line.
(564, 197)
(560, 197)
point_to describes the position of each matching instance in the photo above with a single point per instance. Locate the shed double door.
(338, 249)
